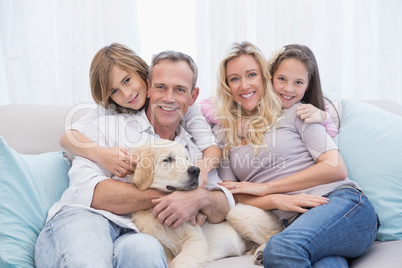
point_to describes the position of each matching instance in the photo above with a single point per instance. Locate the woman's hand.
(244, 187)
(298, 202)
(116, 160)
(285, 202)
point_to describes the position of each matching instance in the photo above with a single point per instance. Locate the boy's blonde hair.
(100, 75)
(229, 113)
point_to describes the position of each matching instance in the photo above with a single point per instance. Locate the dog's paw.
(259, 258)
(251, 247)
(259, 255)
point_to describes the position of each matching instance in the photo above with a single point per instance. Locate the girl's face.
(128, 89)
(245, 81)
(290, 81)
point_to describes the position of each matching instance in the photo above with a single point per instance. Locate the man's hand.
(178, 207)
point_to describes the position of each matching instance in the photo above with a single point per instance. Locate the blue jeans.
(325, 236)
(77, 237)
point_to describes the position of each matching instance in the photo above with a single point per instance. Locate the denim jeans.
(327, 235)
(77, 237)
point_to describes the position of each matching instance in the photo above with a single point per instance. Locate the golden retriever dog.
(166, 166)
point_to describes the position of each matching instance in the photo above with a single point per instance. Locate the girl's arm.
(330, 126)
(198, 127)
(211, 158)
(311, 114)
(208, 110)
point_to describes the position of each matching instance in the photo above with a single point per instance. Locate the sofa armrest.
(32, 129)
(388, 106)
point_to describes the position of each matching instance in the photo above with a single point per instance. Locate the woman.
(275, 161)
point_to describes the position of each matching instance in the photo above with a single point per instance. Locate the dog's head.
(164, 165)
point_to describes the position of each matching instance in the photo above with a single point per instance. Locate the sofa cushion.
(381, 254)
(29, 186)
(370, 143)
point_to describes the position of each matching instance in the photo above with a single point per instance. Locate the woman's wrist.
(274, 201)
(267, 188)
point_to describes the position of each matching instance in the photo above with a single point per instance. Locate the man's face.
(170, 93)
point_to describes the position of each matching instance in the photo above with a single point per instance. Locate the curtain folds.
(358, 44)
(46, 46)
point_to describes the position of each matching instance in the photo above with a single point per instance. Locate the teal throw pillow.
(370, 141)
(29, 186)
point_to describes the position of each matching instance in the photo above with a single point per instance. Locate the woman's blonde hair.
(100, 74)
(229, 113)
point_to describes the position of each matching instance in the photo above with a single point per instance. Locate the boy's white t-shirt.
(193, 122)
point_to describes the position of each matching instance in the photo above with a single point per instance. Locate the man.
(90, 226)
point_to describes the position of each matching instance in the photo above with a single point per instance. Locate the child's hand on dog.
(116, 160)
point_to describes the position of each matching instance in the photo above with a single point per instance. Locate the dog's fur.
(165, 165)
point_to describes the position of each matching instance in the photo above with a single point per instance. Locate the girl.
(118, 81)
(292, 87)
(275, 161)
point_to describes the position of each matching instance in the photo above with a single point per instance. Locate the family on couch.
(255, 113)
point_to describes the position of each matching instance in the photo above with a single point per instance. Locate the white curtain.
(358, 44)
(46, 46)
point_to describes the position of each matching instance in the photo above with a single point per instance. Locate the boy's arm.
(114, 159)
(78, 144)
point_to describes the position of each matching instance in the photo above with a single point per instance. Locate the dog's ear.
(143, 174)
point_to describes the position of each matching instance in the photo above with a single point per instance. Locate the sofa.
(33, 175)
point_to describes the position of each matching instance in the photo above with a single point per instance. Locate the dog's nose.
(193, 171)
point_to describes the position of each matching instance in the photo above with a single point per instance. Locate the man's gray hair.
(174, 56)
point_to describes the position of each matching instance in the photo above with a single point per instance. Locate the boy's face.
(290, 81)
(128, 89)
(170, 93)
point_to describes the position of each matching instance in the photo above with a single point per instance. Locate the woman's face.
(290, 81)
(128, 89)
(245, 81)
